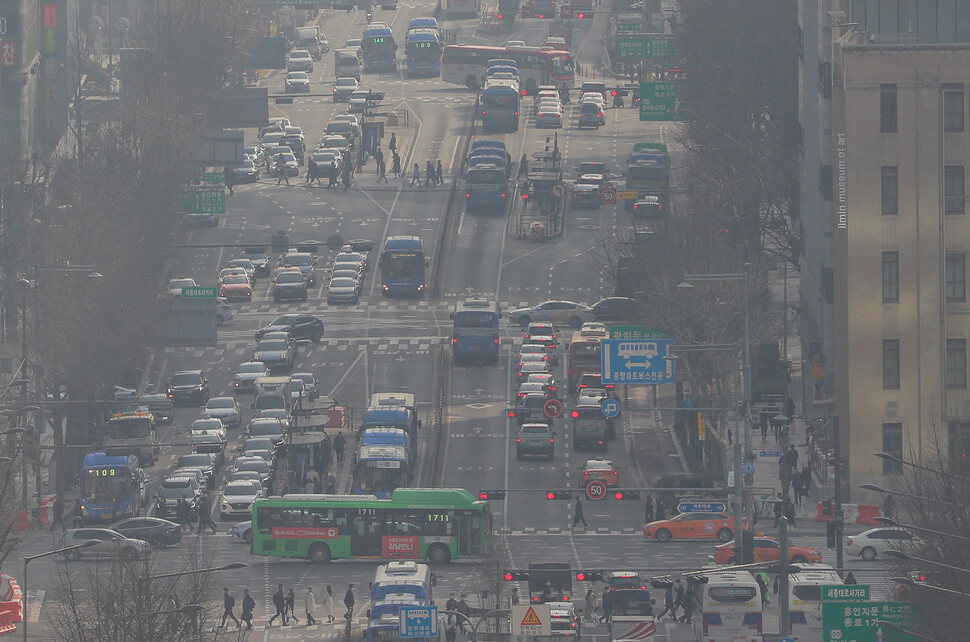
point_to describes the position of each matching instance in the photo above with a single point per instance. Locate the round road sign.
(608, 195)
(552, 408)
(566, 12)
(595, 489)
(558, 189)
(610, 407)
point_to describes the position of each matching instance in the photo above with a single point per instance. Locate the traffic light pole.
(838, 518)
(784, 619)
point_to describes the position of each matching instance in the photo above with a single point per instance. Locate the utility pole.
(784, 619)
(839, 553)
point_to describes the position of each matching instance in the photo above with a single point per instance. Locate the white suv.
(237, 499)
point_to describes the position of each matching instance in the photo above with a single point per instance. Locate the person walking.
(668, 602)
(850, 578)
(762, 589)
(160, 508)
(381, 171)
(311, 171)
(279, 601)
(796, 485)
(589, 610)
(338, 445)
(332, 175)
(792, 457)
(346, 176)
(648, 509)
(57, 517)
(349, 601)
(393, 144)
(182, 513)
(578, 513)
(678, 597)
(331, 488)
(395, 164)
(328, 604)
(778, 509)
(451, 627)
(661, 512)
(281, 173)
(205, 513)
(248, 606)
(228, 604)
(438, 176)
(416, 175)
(688, 616)
(888, 509)
(359, 167)
(230, 183)
(379, 155)
(289, 604)
(429, 173)
(788, 510)
(523, 166)
(764, 429)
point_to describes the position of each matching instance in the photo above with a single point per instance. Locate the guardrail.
(440, 387)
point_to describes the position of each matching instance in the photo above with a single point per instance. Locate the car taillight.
(454, 339)
(849, 542)
(608, 386)
(468, 195)
(495, 341)
(518, 440)
(552, 440)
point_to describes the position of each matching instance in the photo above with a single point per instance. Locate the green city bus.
(438, 524)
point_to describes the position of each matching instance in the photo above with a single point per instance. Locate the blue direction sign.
(701, 507)
(639, 361)
(748, 468)
(770, 453)
(419, 621)
(610, 407)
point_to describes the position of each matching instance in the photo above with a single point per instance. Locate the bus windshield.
(645, 173)
(507, 99)
(585, 353)
(129, 427)
(485, 176)
(406, 265)
(103, 485)
(475, 319)
(373, 477)
(562, 65)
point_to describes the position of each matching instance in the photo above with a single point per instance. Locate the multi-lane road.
(394, 345)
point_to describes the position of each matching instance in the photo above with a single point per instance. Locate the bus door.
(469, 530)
(368, 528)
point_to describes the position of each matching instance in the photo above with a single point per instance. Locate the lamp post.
(885, 491)
(29, 558)
(899, 460)
(899, 555)
(887, 521)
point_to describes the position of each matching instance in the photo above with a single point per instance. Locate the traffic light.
(827, 507)
(614, 93)
(574, 414)
(590, 576)
(491, 494)
(559, 494)
(627, 493)
(830, 535)
(516, 576)
(582, 15)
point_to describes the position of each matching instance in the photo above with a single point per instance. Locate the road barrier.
(853, 514)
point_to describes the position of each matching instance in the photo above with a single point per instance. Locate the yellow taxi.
(601, 469)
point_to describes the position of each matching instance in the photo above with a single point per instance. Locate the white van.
(346, 63)
(729, 606)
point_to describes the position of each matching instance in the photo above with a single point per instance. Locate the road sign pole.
(784, 621)
(738, 524)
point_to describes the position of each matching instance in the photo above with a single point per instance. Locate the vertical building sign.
(842, 192)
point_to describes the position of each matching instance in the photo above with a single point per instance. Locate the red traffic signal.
(559, 494)
(574, 414)
(613, 93)
(581, 576)
(582, 15)
(500, 16)
(508, 577)
(627, 494)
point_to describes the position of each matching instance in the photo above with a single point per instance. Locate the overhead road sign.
(635, 332)
(419, 621)
(857, 620)
(638, 361)
(531, 619)
(701, 507)
(662, 101)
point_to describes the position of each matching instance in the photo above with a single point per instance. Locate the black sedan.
(157, 532)
(299, 326)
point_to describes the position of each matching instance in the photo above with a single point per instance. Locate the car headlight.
(225, 505)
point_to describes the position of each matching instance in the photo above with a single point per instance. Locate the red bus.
(584, 356)
(466, 65)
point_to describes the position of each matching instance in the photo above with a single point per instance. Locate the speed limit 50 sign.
(596, 489)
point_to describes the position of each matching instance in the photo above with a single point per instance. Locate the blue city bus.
(380, 469)
(385, 436)
(387, 628)
(392, 603)
(105, 479)
(403, 266)
(423, 49)
(486, 189)
(406, 576)
(378, 48)
(475, 335)
(500, 105)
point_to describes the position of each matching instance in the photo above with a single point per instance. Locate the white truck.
(631, 616)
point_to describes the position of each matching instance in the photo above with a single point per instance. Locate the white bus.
(729, 606)
(805, 599)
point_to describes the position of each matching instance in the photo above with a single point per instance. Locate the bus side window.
(267, 518)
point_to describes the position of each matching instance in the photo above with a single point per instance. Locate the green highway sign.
(198, 293)
(212, 177)
(661, 101)
(628, 26)
(206, 200)
(635, 332)
(645, 45)
(845, 592)
(855, 621)
(660, 46)
(629, 45)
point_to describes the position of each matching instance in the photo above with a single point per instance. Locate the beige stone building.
(900, 242)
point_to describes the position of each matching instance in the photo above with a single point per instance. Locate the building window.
(956, 278)
(953, 108)
(954, 190)
(825, 80)
(959, 441)
(890, 190)
(825, 181)
(887, 109)
(892, 444)
(956, 364)
(890, 277)
(890, 364)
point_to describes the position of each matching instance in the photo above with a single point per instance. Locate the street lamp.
(227, 567)
(29, 558)
(901, 461)
(899, 555)
(885, 491)
(908, 582)
(888, 521)
(16, 430)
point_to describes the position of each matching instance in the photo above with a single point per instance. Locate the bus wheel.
(438, 554)
(471, 82)
(319, 553)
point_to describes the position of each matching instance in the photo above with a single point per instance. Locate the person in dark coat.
(160, 508)
(668, 602)
(248, 606)
(796, 485)
(648, 509)
(688, 605)
(792, 457)
(429, 179)
(228, 604)
(58, 516)
(311, 171)
(778, 509)
(338, 446)
(788, 509)
(230, 182)
(332, 175)
(578, 513)
(762, 588)
(345, 178)
(279, 601)
(888, 508)
(850, 578)
(182, 513)
(661, 511)
(349, 601)
(437, 172)
(416, 175)
(205, 513)
(393, 144)
(523, 166)
(395, 164)
(290, 604)
(678, 597)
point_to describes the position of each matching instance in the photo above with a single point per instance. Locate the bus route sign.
(419, 621)
(637, 361)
